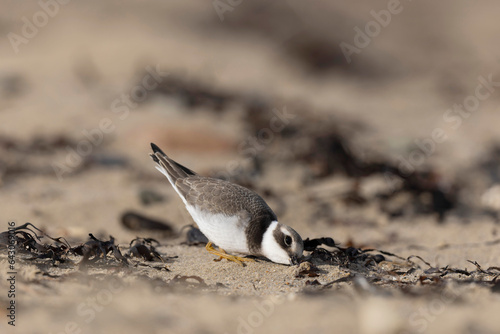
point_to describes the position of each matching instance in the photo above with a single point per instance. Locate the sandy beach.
(374, 124)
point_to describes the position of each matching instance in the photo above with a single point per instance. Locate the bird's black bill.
(294, 261)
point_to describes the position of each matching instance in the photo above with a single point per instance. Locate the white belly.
(226, 232)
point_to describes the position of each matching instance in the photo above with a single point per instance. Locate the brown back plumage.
(221, 196)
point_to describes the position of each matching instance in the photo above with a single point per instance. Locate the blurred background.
(86, 87)
(373, 122)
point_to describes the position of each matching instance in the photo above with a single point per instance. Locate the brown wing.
(222, 196)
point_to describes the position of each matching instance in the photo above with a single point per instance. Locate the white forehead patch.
(285, 231)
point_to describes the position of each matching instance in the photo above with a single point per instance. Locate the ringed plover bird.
(233, 217)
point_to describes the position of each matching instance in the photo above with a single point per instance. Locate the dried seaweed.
(489, 271)
(94, 249)
(369, 270)
(310, 245)
(144, 248)
(373, 266)
(26, 239)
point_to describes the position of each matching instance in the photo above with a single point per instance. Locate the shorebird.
(234, 218)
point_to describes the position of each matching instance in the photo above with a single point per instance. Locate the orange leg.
(223, 255)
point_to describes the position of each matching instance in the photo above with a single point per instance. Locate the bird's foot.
(223, 255)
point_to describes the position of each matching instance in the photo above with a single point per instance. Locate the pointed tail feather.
(171, 169)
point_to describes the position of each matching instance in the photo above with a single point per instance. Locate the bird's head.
(281, 244)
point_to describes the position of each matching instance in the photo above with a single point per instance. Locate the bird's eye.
(288, 240)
